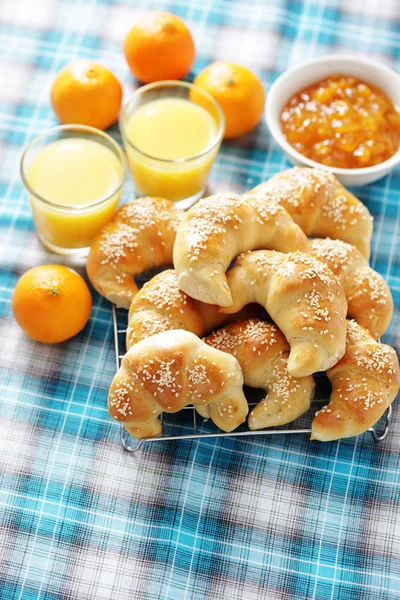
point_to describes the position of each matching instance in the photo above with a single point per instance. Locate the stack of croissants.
(268, 289)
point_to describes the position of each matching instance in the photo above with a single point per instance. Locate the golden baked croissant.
(320, 205)
(262, 353)
(170, 370)
(161, 306)
(302, 296)
(364, 383)
(216, 230)
(369, 299)
(140, 237)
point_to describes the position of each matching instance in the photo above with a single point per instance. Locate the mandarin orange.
(51, 303)
(239, 92)
(159, 46)
(86, 93)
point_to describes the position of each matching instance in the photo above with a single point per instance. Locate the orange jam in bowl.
(343, 122)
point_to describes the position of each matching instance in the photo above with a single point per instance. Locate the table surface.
(249, 519)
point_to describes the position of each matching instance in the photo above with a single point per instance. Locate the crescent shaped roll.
(364, 384)
(140, 237)
(320, 205)
(302, 296)
(369, 298)
(262, 352)
(170, 370)
(216, 230)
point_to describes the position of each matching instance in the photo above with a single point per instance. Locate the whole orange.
(51, 303)
(86, 93)
(239, 92)
(159, 46)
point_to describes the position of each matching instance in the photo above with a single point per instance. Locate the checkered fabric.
(273, 518)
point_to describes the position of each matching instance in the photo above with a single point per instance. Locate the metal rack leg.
(126, 446)
(379, 438)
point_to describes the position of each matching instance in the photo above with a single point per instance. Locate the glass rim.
(173, 83)
(84, 129)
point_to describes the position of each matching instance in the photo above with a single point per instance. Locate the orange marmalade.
(342, 122)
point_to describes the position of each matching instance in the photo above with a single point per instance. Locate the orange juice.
(80, 180)
(172, 147)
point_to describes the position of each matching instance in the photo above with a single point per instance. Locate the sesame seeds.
(363, 383)
(212, 220)
(307, 188)
(263, 339)
(335, 253)
(162, 292)
(287, 389)
(237, 337)
(120, 395)
(211, 217)
(360, 282)
(297, 187)
(334, 209)
(317, 294)
(355, 333)
(134, 227)
(115, 244)
(376, 358)
(372, 284)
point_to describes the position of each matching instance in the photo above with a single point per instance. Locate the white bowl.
(293, 80)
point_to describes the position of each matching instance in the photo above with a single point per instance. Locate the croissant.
(160, 306)
(364, 383)
(302, 296)
(262, 352)
(216, 230)
(320, 205)
(140, 237)
(369, 299)
(170, 370)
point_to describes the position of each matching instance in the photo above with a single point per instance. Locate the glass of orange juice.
(74, 176)
(172, 131)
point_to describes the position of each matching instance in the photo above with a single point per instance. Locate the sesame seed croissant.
(170, 370)
(320, 205)
(302, 296)
(140, 237)
(369, 299)
(262, 352)
(216, 230)
(364, 384)
(161, 306)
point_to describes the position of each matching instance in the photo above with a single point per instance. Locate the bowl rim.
(272, 118)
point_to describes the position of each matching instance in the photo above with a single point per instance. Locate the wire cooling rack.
(189, 425)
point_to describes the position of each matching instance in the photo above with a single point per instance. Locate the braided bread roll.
(161, 306)
(364, 384)
(369, 299)
(216, 230)
(140, 237)
(170, 370)
(302, 296)
(320, 205)
(262, 352)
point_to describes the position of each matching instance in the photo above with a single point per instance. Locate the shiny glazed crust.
(320, 205)
(364, 383)
(170, 370)
(216, 230)
(302, 296)
(262, 352)
(140, 237)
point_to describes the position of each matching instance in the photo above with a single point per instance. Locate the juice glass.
(180, 177)
(82, 171)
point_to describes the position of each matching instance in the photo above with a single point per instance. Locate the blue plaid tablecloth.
(250, 519)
